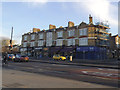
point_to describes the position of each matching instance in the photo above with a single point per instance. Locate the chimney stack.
(60, 27)
(70, 24)
(90, 20)
(36, 29)
(52, 26)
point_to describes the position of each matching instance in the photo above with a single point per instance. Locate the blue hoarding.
(90, 48)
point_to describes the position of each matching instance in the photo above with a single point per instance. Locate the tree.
(5, 43)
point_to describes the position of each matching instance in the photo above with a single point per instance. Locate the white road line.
(100, 68)
(113, 69)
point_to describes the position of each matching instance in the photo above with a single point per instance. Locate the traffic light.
(11, 46)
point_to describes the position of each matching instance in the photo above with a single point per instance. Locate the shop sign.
(82, 49)
(91, 48)
(45, 49)
(29, 48)
(38, 48)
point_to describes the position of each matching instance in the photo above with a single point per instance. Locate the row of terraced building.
(83, 41)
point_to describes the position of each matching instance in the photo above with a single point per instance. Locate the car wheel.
(19, 60)
(60, 58)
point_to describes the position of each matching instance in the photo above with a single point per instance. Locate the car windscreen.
(10, 55)
(23, 56)
(18, 56)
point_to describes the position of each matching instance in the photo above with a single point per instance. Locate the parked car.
(11, 56)
(20, 58)
(58, 57)
(17, 58)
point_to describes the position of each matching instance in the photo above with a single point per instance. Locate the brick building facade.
(81, 41)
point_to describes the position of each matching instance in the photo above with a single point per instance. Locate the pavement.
(20, 79)
(90, 63)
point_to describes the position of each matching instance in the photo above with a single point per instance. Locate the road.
(58, 75)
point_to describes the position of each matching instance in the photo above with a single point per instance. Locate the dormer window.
(25, 38)
(60, 34)
(71, 33)
(83, 31)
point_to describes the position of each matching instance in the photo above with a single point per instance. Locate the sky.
(24, 16)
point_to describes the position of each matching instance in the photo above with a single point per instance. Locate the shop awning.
(38, 49)
(68, 49)
(55, 49)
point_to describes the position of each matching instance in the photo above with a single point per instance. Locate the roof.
(115, 35)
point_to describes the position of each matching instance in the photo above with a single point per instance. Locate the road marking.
(60, 65)
(35, 66)
(29, 68)
(22, 67)
(100, 68)
(40, 69)
(84, 71)
(113, 69)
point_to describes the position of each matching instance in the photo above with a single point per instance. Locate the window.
(41, 36)
(71, 42)
(80, 31)
(59, 42)
(40, 43)
(49, 39)
(83, 31)
(83, 41)
(32, 37)
(117, 40)
(32, 44)
(24, 44)
(25, 38)
(25, 49)
(60, 34)
(71, 33)
(21, 49)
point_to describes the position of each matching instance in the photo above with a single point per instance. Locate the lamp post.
(11, 40)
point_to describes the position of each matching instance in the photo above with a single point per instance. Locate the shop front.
(23, 51)
(38, 52)
(68, 51)
(54, 50)
(45, 52)
(29, 51)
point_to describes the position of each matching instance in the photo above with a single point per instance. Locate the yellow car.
(58, 57)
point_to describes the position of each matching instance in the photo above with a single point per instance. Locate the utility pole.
(11, 40)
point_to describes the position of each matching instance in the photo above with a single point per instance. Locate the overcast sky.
(24, 16)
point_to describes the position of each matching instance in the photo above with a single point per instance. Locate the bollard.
(71, 58)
